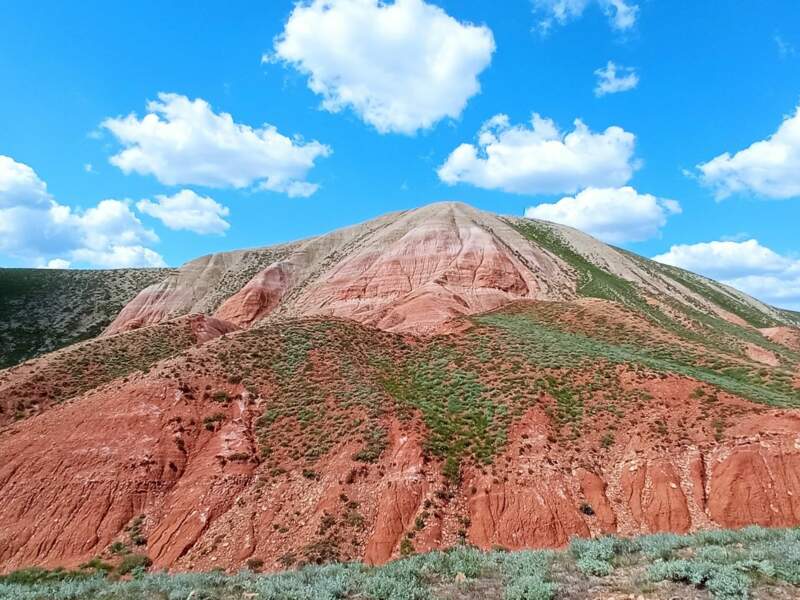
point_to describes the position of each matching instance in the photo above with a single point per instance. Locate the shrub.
(596, 557)
(311, 474)
(728, 584)
(593, 566)
(529, 587)
(134, 562)
(723, 581)
(254, 564)
(33, 575)
(452, 470)
(661, 545)
(118, 548)
(97, 565)
(220, 396)
(385, 586)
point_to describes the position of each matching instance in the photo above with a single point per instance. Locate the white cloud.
(183, 142)
(57, 263)
(115, 257)
(746, 265)
(769, 168)
(35, 227)
(88, 168)
(621, 14)
(614, 215)
(187, 210)
(401, 66)
(615, 78)
(540, 159)
(19, 184)
(725, 259)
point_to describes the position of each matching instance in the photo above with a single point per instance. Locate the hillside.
(42, 310)
(412, 271)
(430, 378)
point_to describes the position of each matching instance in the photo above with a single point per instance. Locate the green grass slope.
(42, 310)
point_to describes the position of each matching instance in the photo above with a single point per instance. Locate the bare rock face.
(259, 297)
(767, 475)
(176, 295)
(406, 272)
(430, 266)
(399, 498)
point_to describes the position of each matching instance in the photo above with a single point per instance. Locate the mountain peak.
(413, 271)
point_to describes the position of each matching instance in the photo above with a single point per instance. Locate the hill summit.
(412, 271)
(431, 377)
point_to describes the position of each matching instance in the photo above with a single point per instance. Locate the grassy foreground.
(725, 565)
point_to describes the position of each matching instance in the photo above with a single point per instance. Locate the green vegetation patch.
(727, 565)
(455, 405)
(719, 296)
(42, 310)
(83, 367)
(564, 349)
(593, 282)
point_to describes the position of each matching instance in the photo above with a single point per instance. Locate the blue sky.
(385, 115)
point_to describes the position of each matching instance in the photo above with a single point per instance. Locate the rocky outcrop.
(652, 492)
(399, 498)
(756, 483)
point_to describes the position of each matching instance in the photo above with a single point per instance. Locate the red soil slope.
(179, 453)
(33, 386)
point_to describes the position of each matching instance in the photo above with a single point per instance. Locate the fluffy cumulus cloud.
(540, 159)
(614, 78)
(614, 215)
(34, 227)
(184, 142)
(19, 185)
(746, 265)
(189, 211)
(621, 14)
(401, 66)
(769, 168)
(57, 263)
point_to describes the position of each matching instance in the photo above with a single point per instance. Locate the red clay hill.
(430, 377)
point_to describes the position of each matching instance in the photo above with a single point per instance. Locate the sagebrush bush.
(661, 545)
(727, 564)
(529, 587)
(596, 556)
